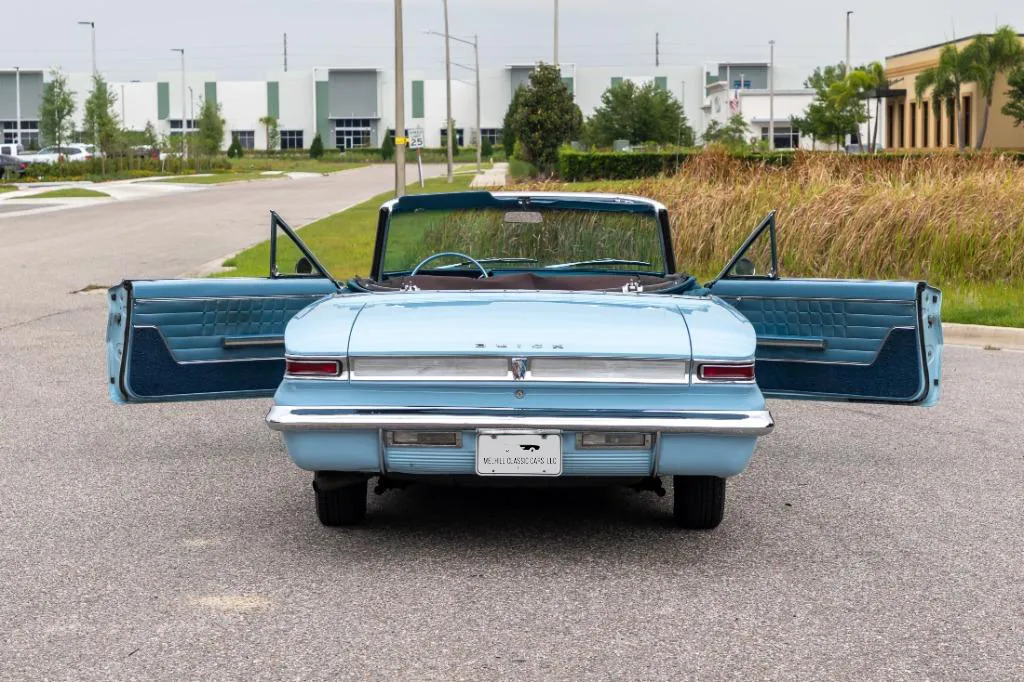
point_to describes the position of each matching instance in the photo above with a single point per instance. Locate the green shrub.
(486, 148)
(113, 168)
(387, 150)
(235, 150)
(316, 150)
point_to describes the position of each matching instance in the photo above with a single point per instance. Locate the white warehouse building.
(354, 107)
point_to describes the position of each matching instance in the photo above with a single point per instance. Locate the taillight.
(727, 372)
(313, 368)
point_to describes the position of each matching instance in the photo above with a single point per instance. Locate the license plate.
(518, 454)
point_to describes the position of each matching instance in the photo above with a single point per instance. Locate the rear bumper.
(749, 424)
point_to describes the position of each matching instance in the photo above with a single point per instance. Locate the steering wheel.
(468, 259)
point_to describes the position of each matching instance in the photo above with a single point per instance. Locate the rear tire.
(698, 502)
(339, 505)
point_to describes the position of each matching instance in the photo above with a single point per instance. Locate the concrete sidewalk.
(1008, 338)
(492, 177)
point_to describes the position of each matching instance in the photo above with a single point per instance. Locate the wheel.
(698, 502)
(339, 502)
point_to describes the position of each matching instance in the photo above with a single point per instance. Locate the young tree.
(235, 149)
(988, 57)
(100, 122)
(837, 109)
(508, 135)
(546, 119)
(211, 129)
(644, 113)
(945, 81)
(387, 148)
(733, 135)
(269, 124)
(316, 149)
(1014, 107)
(56, 109)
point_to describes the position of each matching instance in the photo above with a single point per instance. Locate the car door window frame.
(766, 225)
(276, 221)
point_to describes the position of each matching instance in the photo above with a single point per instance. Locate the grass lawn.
(999, 305)
(254, 164)
(343, 242)
(68, 193)
(7, 188)
(215, 178)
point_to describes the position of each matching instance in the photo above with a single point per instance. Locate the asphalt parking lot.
(178, 541)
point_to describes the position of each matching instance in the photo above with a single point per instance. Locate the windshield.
(537, 238)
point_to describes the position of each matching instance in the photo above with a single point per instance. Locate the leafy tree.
(1014, 107)
(733, 135)
(546, 119)
(644, 113)
(235, 151)
(316, 149)
(945, 81)
(486, 148)
(387, 148)
(211, 129)
(56, 108)
(508, 136)
(269, 124)
(837, 109)
(870, 77)
(100, 123)
(988, 57)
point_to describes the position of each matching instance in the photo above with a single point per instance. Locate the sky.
(242, 39)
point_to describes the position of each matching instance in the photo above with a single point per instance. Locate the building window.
(951, 116)
(967, 121)
(899, 122)
(246, 138)
(890, 118)
(291, 139)
(352, 133)
(785, 137)
(458, 137)
(29, 133)
(924, 124)
(492, 135)
(745, 85)
(391, 133)
(175, 124)
(913, 124)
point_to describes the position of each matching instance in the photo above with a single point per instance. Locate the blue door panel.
(838, 339)
(202, 338)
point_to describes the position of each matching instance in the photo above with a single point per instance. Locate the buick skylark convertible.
(523, 339)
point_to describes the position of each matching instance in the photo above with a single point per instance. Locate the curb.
(1010, 338)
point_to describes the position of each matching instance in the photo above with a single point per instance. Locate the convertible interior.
(531, 281)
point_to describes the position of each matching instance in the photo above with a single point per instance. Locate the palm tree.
(946, 80)
(989, 56)
(872, 77)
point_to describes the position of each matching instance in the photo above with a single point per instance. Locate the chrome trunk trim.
(328, 418)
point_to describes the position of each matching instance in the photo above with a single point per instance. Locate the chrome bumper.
(750, 424)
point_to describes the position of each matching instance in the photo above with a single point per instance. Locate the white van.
(11, 149)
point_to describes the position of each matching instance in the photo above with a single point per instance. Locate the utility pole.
(848, 42)
(184, 113)
(555, 62)
(286, 53)
(92, 30)
(771, 96)
(17, 104)
(657, 49)
(448, 93)
(479, 131)
(399, 102)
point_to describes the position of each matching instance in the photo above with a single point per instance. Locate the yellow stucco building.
(915, 125)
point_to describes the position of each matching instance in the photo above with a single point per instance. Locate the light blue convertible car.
(523, 339)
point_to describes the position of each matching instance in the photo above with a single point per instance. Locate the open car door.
(835, 339)
(193, 339)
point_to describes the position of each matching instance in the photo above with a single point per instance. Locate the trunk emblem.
(519, 367)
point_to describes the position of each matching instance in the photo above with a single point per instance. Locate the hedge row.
(133, 167)
(576, 166)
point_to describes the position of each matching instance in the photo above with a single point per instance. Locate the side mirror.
(303, 266)
(744, 268)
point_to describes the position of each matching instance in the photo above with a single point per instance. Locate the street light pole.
(399, 102)
(92, 30)
(771, 97)
(848, 42)
(555, 62)
(479, 131)
(17, 104)
(184, 113)
(448, 93)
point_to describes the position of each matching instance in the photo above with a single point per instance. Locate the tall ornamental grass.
(940, 217)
